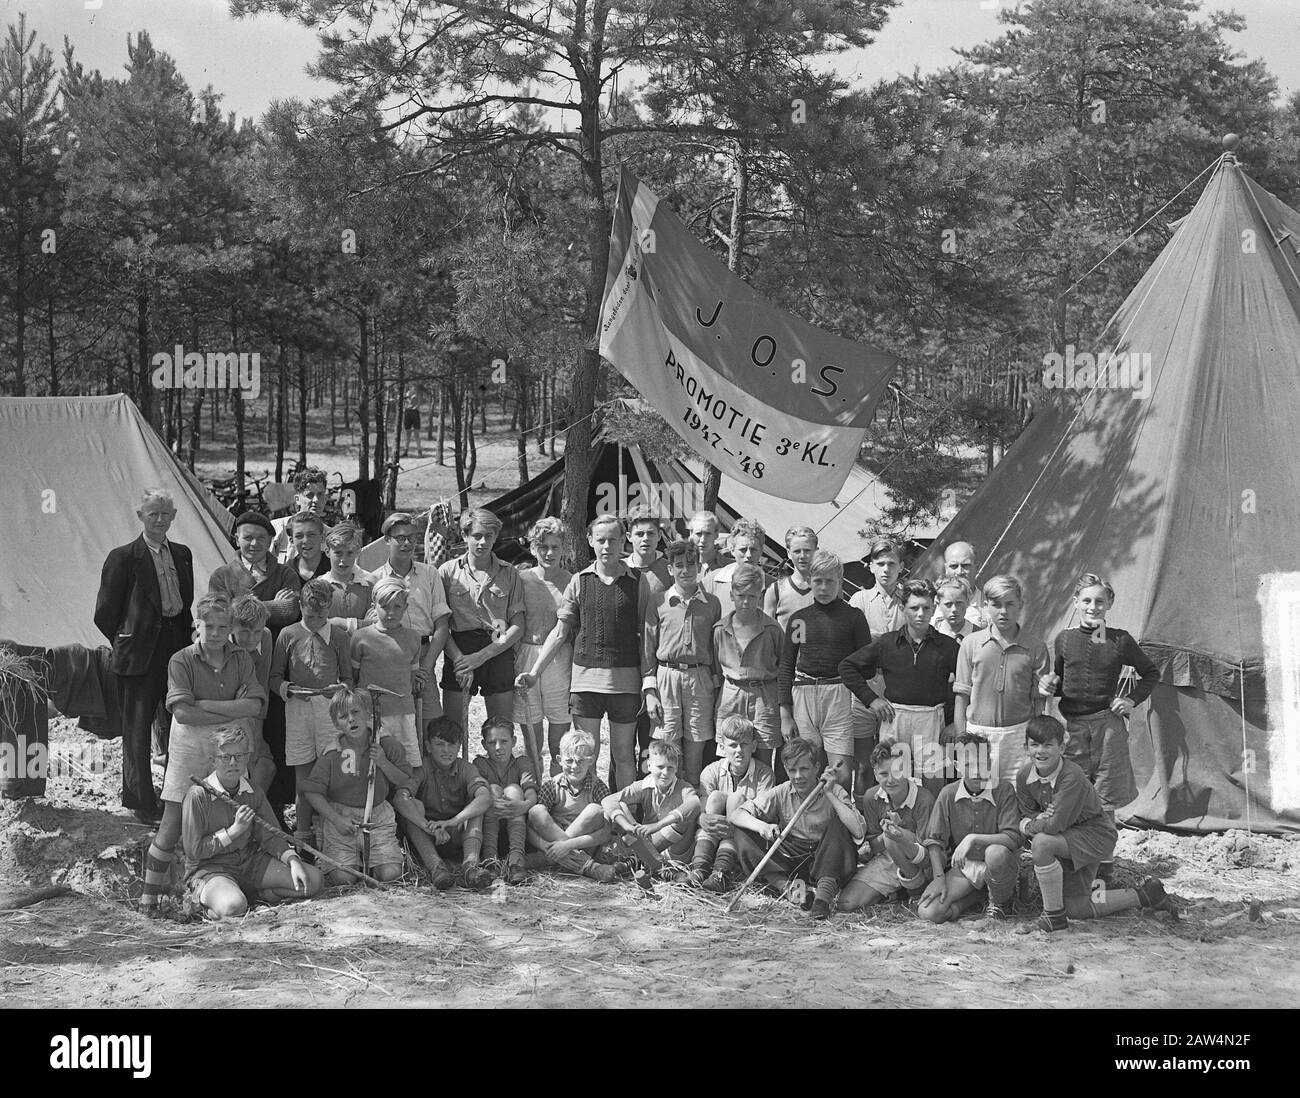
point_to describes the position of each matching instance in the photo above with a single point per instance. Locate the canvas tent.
(77, 466)
(1188, 500)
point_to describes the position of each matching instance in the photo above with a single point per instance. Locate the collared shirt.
(654, 806)
(191, 679)
(270, 579)
(343, 776)
(1000, 677)
(603, 680)
(565, 801)
(426, 602)
(295, 562)
(206, 820)
(1046, 779)
(883, 611)
(387, 660)
(779, 804)
(759, 659)
(518, 771)
(312, 659)
(718, 778)
(492, 603)
(657, 575)
(541, 601)
(262, 662)
(914, 674)
(957, 814)
(169, 584)
(1067, 788)
(446, 792)
(913, 813)
(351, 598)
(940, 625)
(679, 629)
(718, 583)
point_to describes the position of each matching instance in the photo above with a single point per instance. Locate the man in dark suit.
(143, 608)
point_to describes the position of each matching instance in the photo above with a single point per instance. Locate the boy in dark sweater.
(815, 703)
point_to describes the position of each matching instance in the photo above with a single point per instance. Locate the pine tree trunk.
(522, 384)
(54, 360)
(302, 408)
(363, 398)
(196, 429)
(334, 401)
(238, 410)
(444, 393)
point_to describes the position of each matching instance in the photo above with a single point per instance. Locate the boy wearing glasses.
(229, 860)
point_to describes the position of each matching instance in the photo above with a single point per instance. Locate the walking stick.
(374, 692)
(808, 800)
(531, 745)
(297, 844)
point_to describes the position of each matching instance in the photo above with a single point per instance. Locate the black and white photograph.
(679, 504)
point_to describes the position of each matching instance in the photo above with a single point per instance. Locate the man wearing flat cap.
(276, 584)
(427, 611)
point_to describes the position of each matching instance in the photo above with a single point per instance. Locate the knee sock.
(472, 845)
(725, 862)
(666, 839)
(1051, 882)
(518, 832)
(157, 875)
(706, 848)
(826, 888)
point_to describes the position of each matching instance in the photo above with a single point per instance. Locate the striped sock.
(726, 859)
(705, 847)
(157, 875)
(668, 838)
(1051, 882)
(825, 889)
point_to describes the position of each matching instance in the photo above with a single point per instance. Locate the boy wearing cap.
(677, 661)
(276, 584)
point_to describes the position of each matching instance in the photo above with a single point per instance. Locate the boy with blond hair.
(745, 544)
(739, 775)
(387, 655)
(660, 809)
(567, 825)
(952, 599)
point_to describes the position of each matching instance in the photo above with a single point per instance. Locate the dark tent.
(1182, 487)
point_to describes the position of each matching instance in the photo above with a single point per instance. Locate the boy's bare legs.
(554, 733)
(622, 755)
(592, 726)
(961, 895)
(862, 748)
(277, 883)
(857, 896)
(158, 857)
(222, 898)
(305, 814)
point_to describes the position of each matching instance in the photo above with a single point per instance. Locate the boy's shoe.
(670, 875)
(441, 879)
(645, 851)
(995, 911)
(821, 910)
(1053, 920)
(695, 878)
(716, 882)
(515, 874)
(605, 874)
(1151, 893)
(477, 878)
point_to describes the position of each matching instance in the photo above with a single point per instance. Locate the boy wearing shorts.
(248, 632)
(660, 809)
(603, 610)
(678, 659)
(513, 786)
(387, 654)
(339, 789)
(972, 839)
(815, 703)
(892, 857)
(747, 653)
(310, 656)
(228, 859)
(548, 698)
(737, 776)
(567, 825)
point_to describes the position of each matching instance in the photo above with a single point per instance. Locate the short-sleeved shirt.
(645, 795)
(343, 776)
(779, 804)
(541, 600)
(957, 813)
(1000, 677)
(884, 613)
(426, 602)
(312, 659)
(488, 604)
(446, 792)
(387, 659)
(518, 771)
(190, 678)
(913, 813)
(718, 778)
(351, 598)
(603, 680)
(759, 660)
(679, 629)
(564, 801)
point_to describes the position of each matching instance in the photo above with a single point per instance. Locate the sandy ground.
(568, 942)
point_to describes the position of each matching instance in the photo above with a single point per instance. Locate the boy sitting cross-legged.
(896, 811)
(514, 792)
(972, 839)
(568, 823)
(338, 789)
(444, 819)
(725, 785)
(660, 809)
(822, 845)
(228, 859)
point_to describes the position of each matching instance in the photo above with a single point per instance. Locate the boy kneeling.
(660, 809)
(227, 860)
(821, 847)
(972, 839)
(897, 810)
(445, 817)
(338, 789)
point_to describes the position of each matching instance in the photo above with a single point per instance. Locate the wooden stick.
(297, 844)
(808, 800)
(531, 746)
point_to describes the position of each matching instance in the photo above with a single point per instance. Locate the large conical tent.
(76, 467)
(1186, 496)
